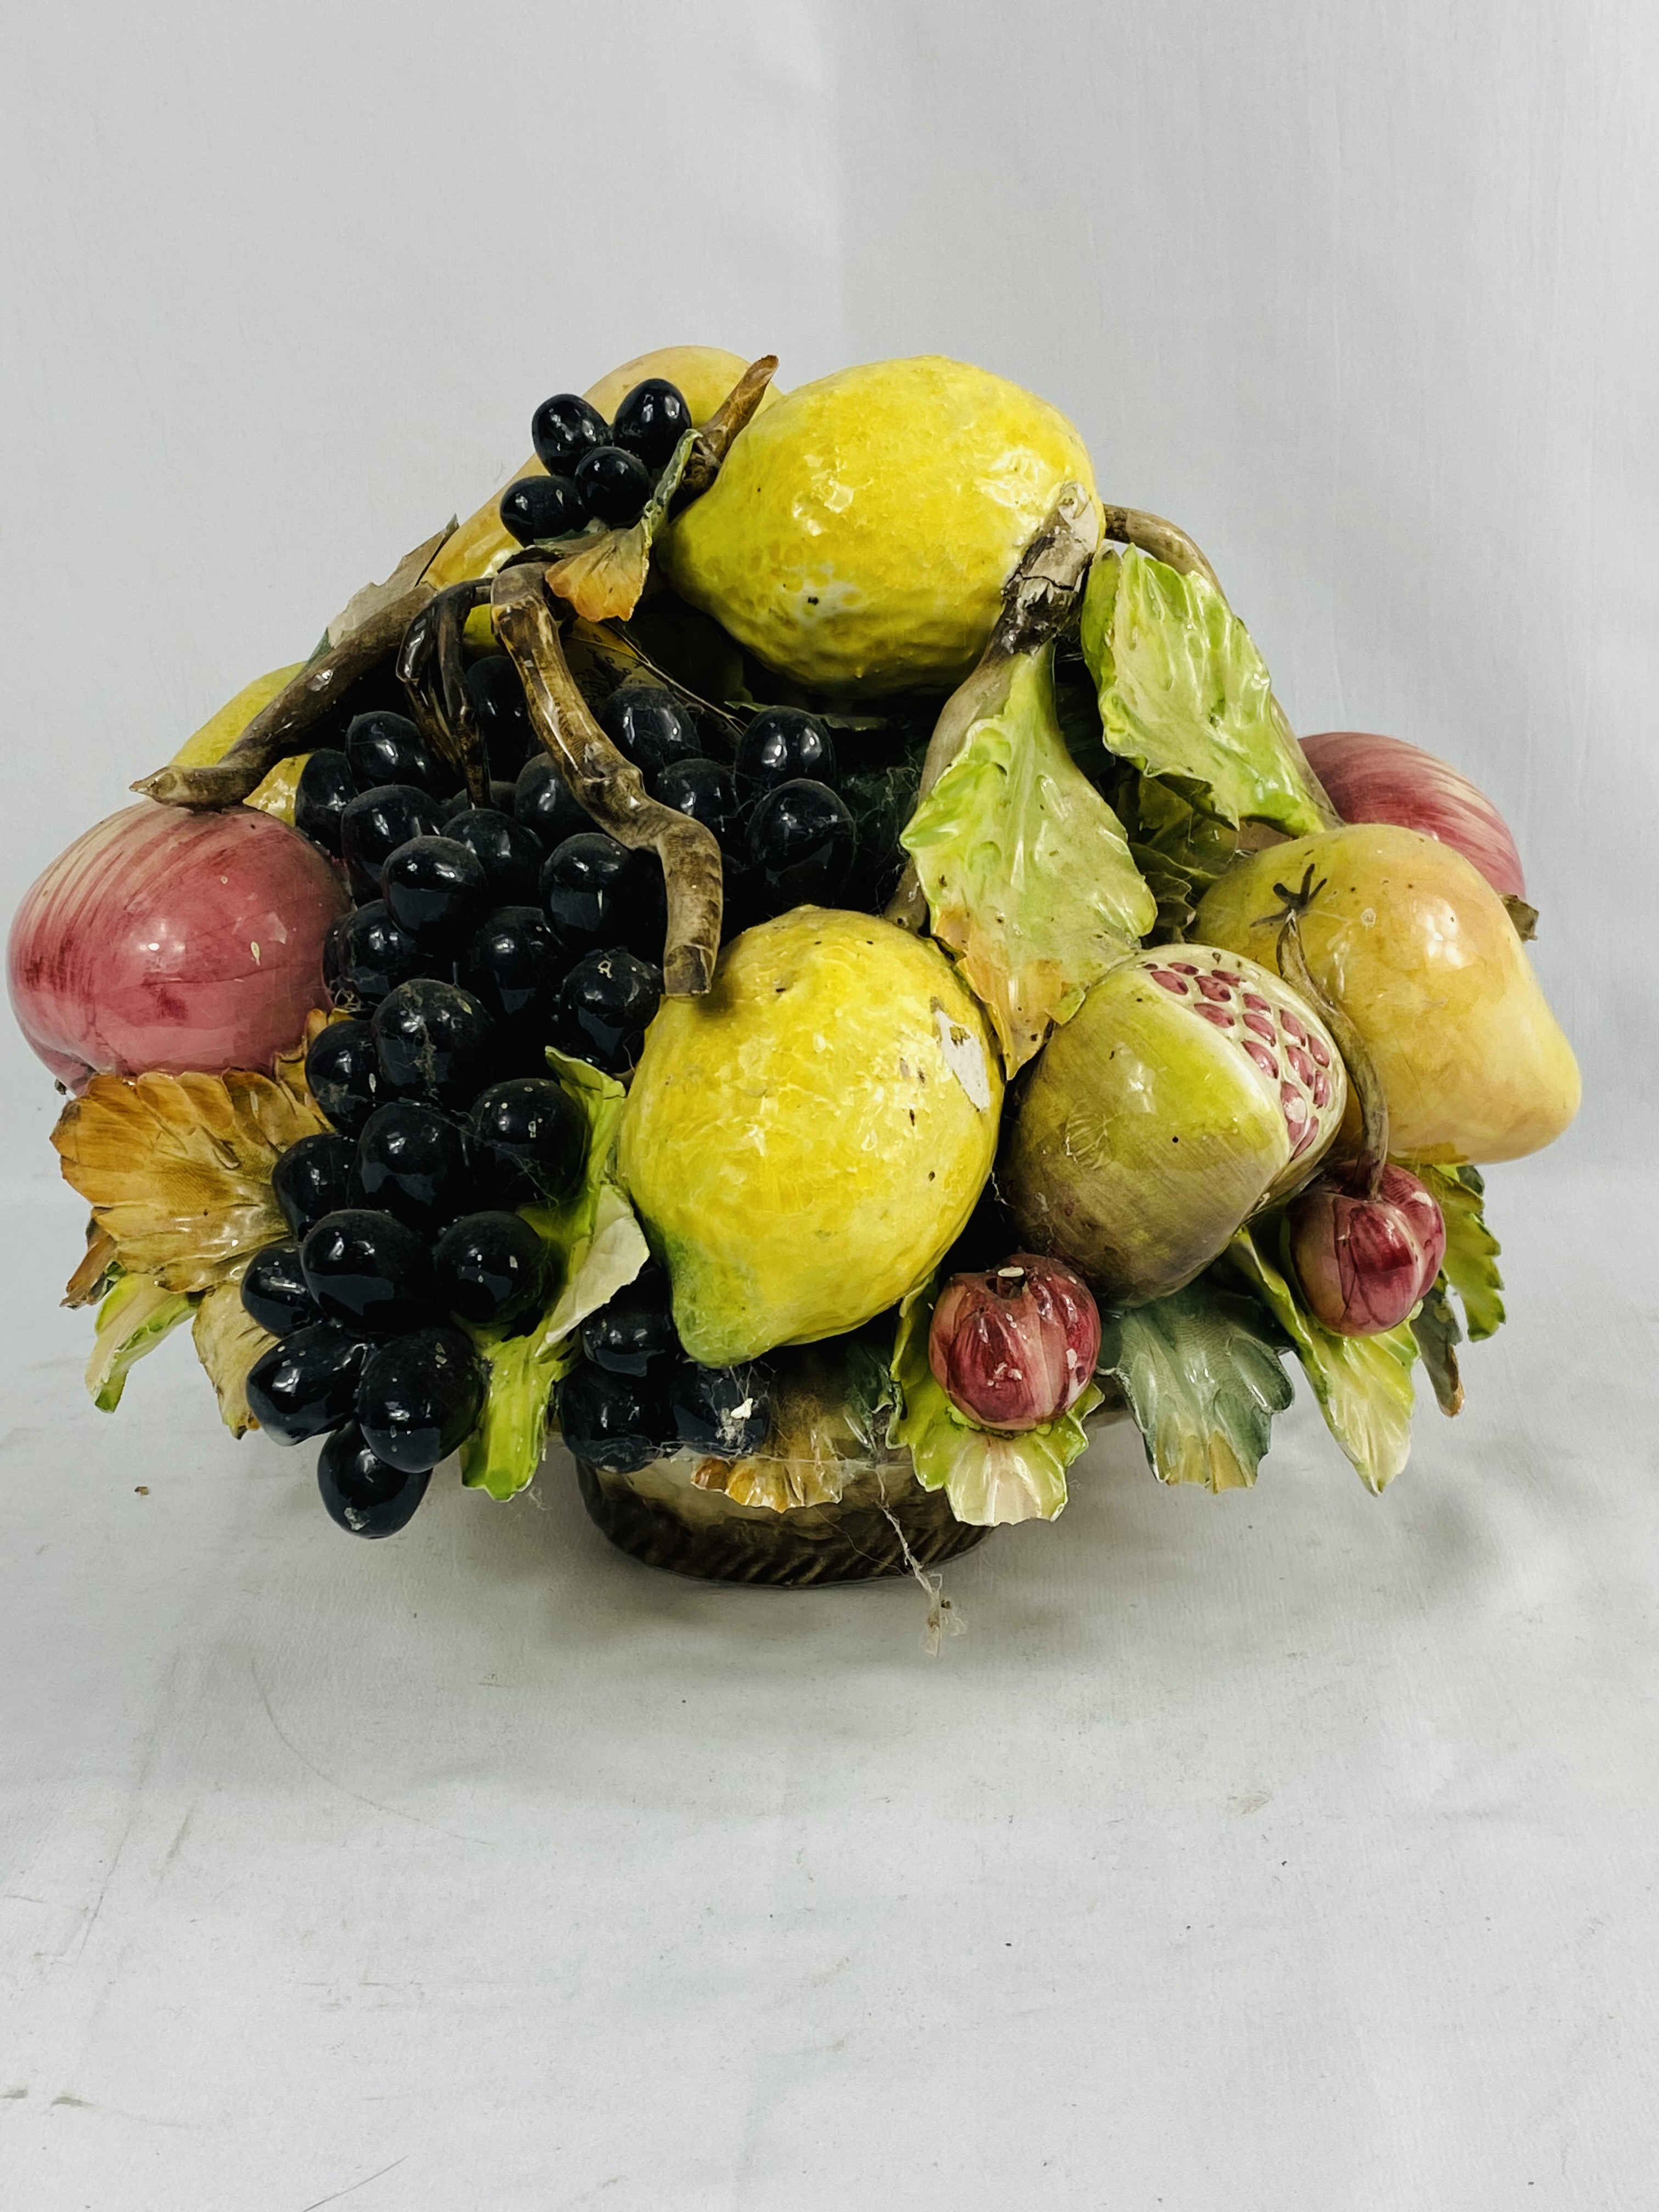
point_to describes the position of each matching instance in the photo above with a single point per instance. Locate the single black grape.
(275, 1293)
(307, 1384)
(649, 726)
(363, 1494)
(801, 843)
(493, 685)
(376, 822)
(723, 1411)
(510, 855)
(707, 792)
(343, 1074)
(534, 1136)
(563, 428)
(435, 888)
(596, 892)
(606, 1003)
(434, 1042)
(311, 1179)
(543, 507)
(492, 1271)
(632, 1332)
(512, 965)
(420, 1397)
(612, 1421)
(543, 801)
(615, 485)
(371, 955)
(650, 422)
(781, 745)
(385, 748)
(370, 1271)
(414, 1161)
(326, 787)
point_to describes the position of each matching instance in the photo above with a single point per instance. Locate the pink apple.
(1372, 779)
(170, 941)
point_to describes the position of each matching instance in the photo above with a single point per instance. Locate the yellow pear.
(1415, 945)
(703, 374)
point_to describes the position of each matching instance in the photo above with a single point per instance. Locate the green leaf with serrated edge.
(991, 1481)
(1202, 1374)
(1471, 1263)
(133, 1321)
(1363, 1383)
(596, 1246)
(1184, 692)
(1435, 1327)
(1025, 867)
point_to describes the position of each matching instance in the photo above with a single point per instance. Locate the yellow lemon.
(805, 1145)
(859, 534)
(703, 374)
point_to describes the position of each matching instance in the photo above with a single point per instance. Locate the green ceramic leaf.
(597, 1246)
(1184, 692)
(1027, 872)
(1471, 1263)
(1202, 1374)
(991, 1480)
(1363, 1383)
(1435, 1327)
(133, 1321)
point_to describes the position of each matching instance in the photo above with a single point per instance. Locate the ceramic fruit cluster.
(798, 939)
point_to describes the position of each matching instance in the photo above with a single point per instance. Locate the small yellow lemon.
(804, 1144)
(859, 534)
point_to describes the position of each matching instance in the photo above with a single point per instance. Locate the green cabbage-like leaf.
(1471, 1263)
(1183, 692)
(1202, 1374)
(133, 1321)
(1435, 1327)
(1025, 867)
(990, 1480)
(1363, 1383)
(597, 1246)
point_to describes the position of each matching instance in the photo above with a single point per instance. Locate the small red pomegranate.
(1015, 1346)
(1365, 1257)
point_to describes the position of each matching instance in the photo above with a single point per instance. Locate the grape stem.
(281, 729)
(430, 668)
(610, 788)
(1292, 957)
(714, 441)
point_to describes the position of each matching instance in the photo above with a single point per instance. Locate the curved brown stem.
(1292, 957)
(431, 669)
(732, 415)
(1163, 540)
(282, 729)
(610, 788)
(1037, 601)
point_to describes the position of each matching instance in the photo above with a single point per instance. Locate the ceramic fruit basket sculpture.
(798, 951)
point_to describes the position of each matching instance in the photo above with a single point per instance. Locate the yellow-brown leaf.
(227, 1342)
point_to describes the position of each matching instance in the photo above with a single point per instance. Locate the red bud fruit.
(1364, 1262)
(1016, 1346)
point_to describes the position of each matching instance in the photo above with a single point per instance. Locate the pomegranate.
(167, 941)
(1365, 1257)
(1015, 1346)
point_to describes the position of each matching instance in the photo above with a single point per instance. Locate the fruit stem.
(610, 788)
(279, 730)
(1292, 959)
(1038, 600)
(714, 441)
(430, 668)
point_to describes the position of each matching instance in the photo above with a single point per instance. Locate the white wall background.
(760, 1911)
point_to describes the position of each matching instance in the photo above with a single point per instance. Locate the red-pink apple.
(165, 940)
(1372, 779)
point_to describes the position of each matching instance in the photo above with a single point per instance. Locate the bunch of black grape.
(405, 1236)
(635, 1395)
(597, 471)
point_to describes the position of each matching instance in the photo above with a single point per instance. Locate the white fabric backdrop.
(1282, 1850)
